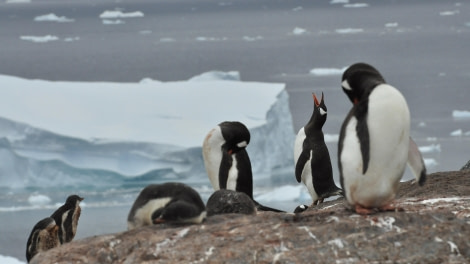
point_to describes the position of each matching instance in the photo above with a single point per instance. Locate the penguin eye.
(322, 112)
(345, 85)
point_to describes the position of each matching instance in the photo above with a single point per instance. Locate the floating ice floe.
(390, 25)
(456, 133)
(40, 39)
(248, 38)
(39, 200)
(299, 31)
(356, 5)
(120, 14)
(349, 30)
(430, 163)
(449, 13)
(167, 40)
(327, 71)
(297, 8)
(458, 114)
(433, 148)
(339, 2)
(17, 1)
(422, 124)
(113, 22)
(70, 39)
(202, 39)
(53, 18)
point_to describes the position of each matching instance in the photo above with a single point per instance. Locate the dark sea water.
(420, 47)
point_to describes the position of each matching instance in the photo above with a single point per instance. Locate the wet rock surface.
(433, 228)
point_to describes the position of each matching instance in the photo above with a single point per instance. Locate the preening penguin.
(375, 143)
(43, 237)
(226, 159)
(171, 202)
(312, 159)
(66, 217)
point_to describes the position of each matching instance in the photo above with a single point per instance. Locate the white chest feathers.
(306, 177)
(212, 155)
(388, 122)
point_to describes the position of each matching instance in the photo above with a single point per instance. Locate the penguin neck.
(314, 129)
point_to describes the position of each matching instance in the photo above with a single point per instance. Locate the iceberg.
(113, 135)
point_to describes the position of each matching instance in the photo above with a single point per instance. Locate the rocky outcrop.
(433, 228)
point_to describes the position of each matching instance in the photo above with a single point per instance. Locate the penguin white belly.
(212, 154)
(307, 170)
(232, 175)
(388, 123)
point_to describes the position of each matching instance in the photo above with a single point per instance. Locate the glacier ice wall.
(33, 158)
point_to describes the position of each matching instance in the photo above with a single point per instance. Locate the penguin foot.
(317, 202)
(363, 210)
(391, 208)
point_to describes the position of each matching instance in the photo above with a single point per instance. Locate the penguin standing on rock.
(174, 203)
(66, 217)
(226, 159)
(43, 237)
(312, 159)
(375, 143)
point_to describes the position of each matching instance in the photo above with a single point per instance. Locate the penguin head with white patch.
(236, 136)
(359, 80)
(318, 118)
(74, 200)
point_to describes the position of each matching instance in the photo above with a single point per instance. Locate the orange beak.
(315, 99)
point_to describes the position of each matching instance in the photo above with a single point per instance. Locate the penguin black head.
(44, 236)
(359, 80)
(236, 135)
(73, 199)
(318, 118)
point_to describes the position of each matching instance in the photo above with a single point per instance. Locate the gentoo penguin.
(375, 143)
(174, 203)
(66, 217)
(228, 201)
(226, 159)
(312, 159)
(43, 237)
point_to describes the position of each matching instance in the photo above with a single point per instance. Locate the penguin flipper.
(416, 162)
(299, 166)
(362, 130)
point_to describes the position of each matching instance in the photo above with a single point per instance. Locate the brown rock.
(434, 228)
